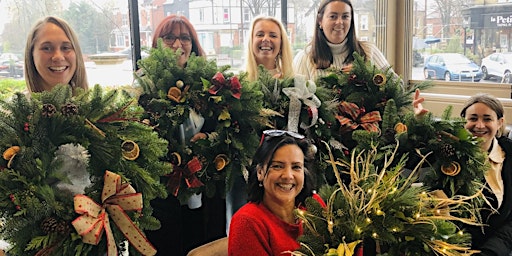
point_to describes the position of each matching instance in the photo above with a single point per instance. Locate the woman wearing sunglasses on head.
(279, 182)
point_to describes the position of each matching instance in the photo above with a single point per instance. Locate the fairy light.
(394, 229)
(370, 190)
(379, 212)
(438, 211)
(359, 230)
(375, 235)
(460, 233)
(300, 212)
(368, 220)
(417, 215)
(393, 190)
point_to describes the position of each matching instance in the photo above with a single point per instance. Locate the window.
(474, 30)
(201, 15)
(226, 15)
(247, 15)
(364, 22)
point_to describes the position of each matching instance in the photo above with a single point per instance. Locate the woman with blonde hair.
(268, 45)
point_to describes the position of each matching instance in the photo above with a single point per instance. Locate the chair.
(217, 247)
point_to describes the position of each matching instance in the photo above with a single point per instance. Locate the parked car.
(11, 68)
(417, 58)
(451, 67)
(498, 65)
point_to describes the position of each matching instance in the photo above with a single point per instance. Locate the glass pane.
(103, 28)
(471, 29)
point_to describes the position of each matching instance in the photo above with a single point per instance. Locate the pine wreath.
(381, 205)
(57, 146)
(173, 97)
(358, 97)
(454, 161)
(292, 103)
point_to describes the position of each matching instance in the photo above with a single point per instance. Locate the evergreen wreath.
(56, 147)
(381, 205)
(293, 103)
(359, 95)
(455, 162)
(230, 106)
(372, 108)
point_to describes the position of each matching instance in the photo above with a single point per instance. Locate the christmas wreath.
(180, 102)
(372, 108)
(71, 163)
(293, 103)
(380, 204)
(454, 163)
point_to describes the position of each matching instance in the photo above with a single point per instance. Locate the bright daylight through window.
(452, 40)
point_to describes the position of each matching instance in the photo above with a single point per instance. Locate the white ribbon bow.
(302, 91)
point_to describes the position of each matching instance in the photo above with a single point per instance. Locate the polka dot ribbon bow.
(117, 197)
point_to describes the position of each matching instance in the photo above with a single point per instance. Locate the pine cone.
(48, 110)
(62, 227)
(49, 225)
(69, 109)
(447, 150)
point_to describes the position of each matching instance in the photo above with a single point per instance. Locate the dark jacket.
(497, 236)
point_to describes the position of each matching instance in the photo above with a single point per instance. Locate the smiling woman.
(53, 56)
(279, 181)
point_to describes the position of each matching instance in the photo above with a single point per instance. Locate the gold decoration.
(174, 94)
(130, 150)
(175, 158)
(179, 84)
(452, 169)
(10, 153)
(221, 161)
(379, 79)
(400, 128)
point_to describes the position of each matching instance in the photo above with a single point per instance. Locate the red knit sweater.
(254, 230)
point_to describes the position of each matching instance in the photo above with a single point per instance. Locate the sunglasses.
(279, 133)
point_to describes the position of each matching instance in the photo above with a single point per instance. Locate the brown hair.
(32, 77)
(321, 54)
(263, 157)
(165, 27)
(284, 58)
(490, 101)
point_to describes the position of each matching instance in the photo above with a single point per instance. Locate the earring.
(260, 184)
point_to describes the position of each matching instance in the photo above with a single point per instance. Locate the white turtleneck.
(302, 63)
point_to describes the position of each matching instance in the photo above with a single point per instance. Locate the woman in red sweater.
(279, 181)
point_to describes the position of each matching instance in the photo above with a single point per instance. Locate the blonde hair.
(284, 58)
(32, 77)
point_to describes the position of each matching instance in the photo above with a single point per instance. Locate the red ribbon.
(188, 172)
(319, 200)
(116, 198)
(233, 84)
(353, 117)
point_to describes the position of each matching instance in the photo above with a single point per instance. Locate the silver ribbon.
(302, 92)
